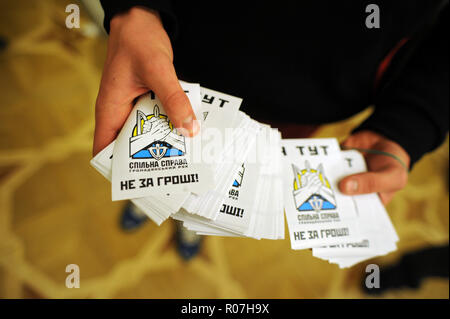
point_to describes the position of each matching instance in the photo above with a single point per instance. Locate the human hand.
(385, 175)
(139, 59)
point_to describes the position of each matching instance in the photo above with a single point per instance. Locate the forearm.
(164, 7)
(413, 109)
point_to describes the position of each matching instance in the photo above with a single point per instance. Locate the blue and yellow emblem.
(312, 190)
(154, 137)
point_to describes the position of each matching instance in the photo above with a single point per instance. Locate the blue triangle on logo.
(171, 151)
(306, 206)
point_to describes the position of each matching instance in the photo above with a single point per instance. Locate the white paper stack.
(252, 205)
(225, 181)
(341, 229)
(379, 235)
(237, 177)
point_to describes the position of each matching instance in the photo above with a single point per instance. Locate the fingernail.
(352, 186)
(190, 125)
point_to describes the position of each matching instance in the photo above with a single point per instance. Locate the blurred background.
(56, 210)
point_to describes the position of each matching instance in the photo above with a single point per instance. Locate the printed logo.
(154, 137)
(234, 191)
(312, 190)
(239, 176)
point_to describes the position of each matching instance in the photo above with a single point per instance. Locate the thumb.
(387, 180)
(162, 79)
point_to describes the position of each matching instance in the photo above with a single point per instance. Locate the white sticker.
(151, 157)
(316, 211)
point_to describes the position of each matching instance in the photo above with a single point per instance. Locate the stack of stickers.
(224, 181)
(341, 229)
(237, 177)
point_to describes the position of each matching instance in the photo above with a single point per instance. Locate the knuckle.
(370, 184)
(349, 142)
(175, 100)
(157, 64)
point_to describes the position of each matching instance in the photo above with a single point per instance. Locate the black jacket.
(312, 62)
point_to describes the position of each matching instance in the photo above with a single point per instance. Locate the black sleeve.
(412, 109)
(113, 7)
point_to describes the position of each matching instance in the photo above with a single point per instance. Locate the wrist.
(386, 144)
(133, 15)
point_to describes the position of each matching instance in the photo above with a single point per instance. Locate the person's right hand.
(139, 59)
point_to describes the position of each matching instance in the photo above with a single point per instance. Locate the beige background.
(56, 210)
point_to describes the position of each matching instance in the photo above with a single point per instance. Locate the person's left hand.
(385, 174)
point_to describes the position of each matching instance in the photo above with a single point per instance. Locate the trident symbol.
(316, 203)
(157, 151)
